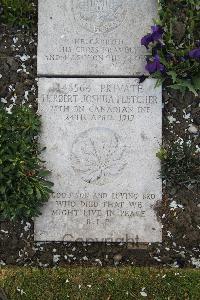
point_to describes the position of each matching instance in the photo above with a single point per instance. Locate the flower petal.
(146, 40)
(195, 53)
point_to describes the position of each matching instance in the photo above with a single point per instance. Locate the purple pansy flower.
(156, 35)
(155, 65)
(146, 40)
(157, 32)
(195, 53)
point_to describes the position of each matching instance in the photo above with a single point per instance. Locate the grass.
(100, 283)
(19, 13)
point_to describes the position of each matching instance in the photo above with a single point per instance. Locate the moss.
(100, 283)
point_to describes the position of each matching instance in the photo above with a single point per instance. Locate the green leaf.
(159, 82)
(44, 173)
(173, 75)
(29, 190)
(196, 82)
(38, 194)
(183, 85)
(48, 184)
(162, 154)
(2, 189)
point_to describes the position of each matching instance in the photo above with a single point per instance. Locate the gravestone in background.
(101, 134)
(93, 37)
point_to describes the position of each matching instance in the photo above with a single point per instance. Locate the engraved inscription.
(99, 16)
(93, 37)
(98, 156)
(101, 137)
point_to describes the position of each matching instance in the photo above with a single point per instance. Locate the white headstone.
(93, 37)
(102, 136)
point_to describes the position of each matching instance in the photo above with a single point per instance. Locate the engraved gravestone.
(93, 37)
(102, 135)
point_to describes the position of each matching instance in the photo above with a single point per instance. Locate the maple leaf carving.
(98, 156)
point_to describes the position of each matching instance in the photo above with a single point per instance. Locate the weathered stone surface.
(93, 37)
(102, 136)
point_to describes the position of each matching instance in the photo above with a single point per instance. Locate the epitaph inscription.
(93, 37)
(102, 136)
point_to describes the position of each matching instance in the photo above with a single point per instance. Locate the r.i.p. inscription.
(93, 37)
(102, 136)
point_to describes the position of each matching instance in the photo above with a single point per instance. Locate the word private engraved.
(98, 156)
(99, 16)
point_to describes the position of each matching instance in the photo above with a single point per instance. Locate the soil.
(181, 225)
